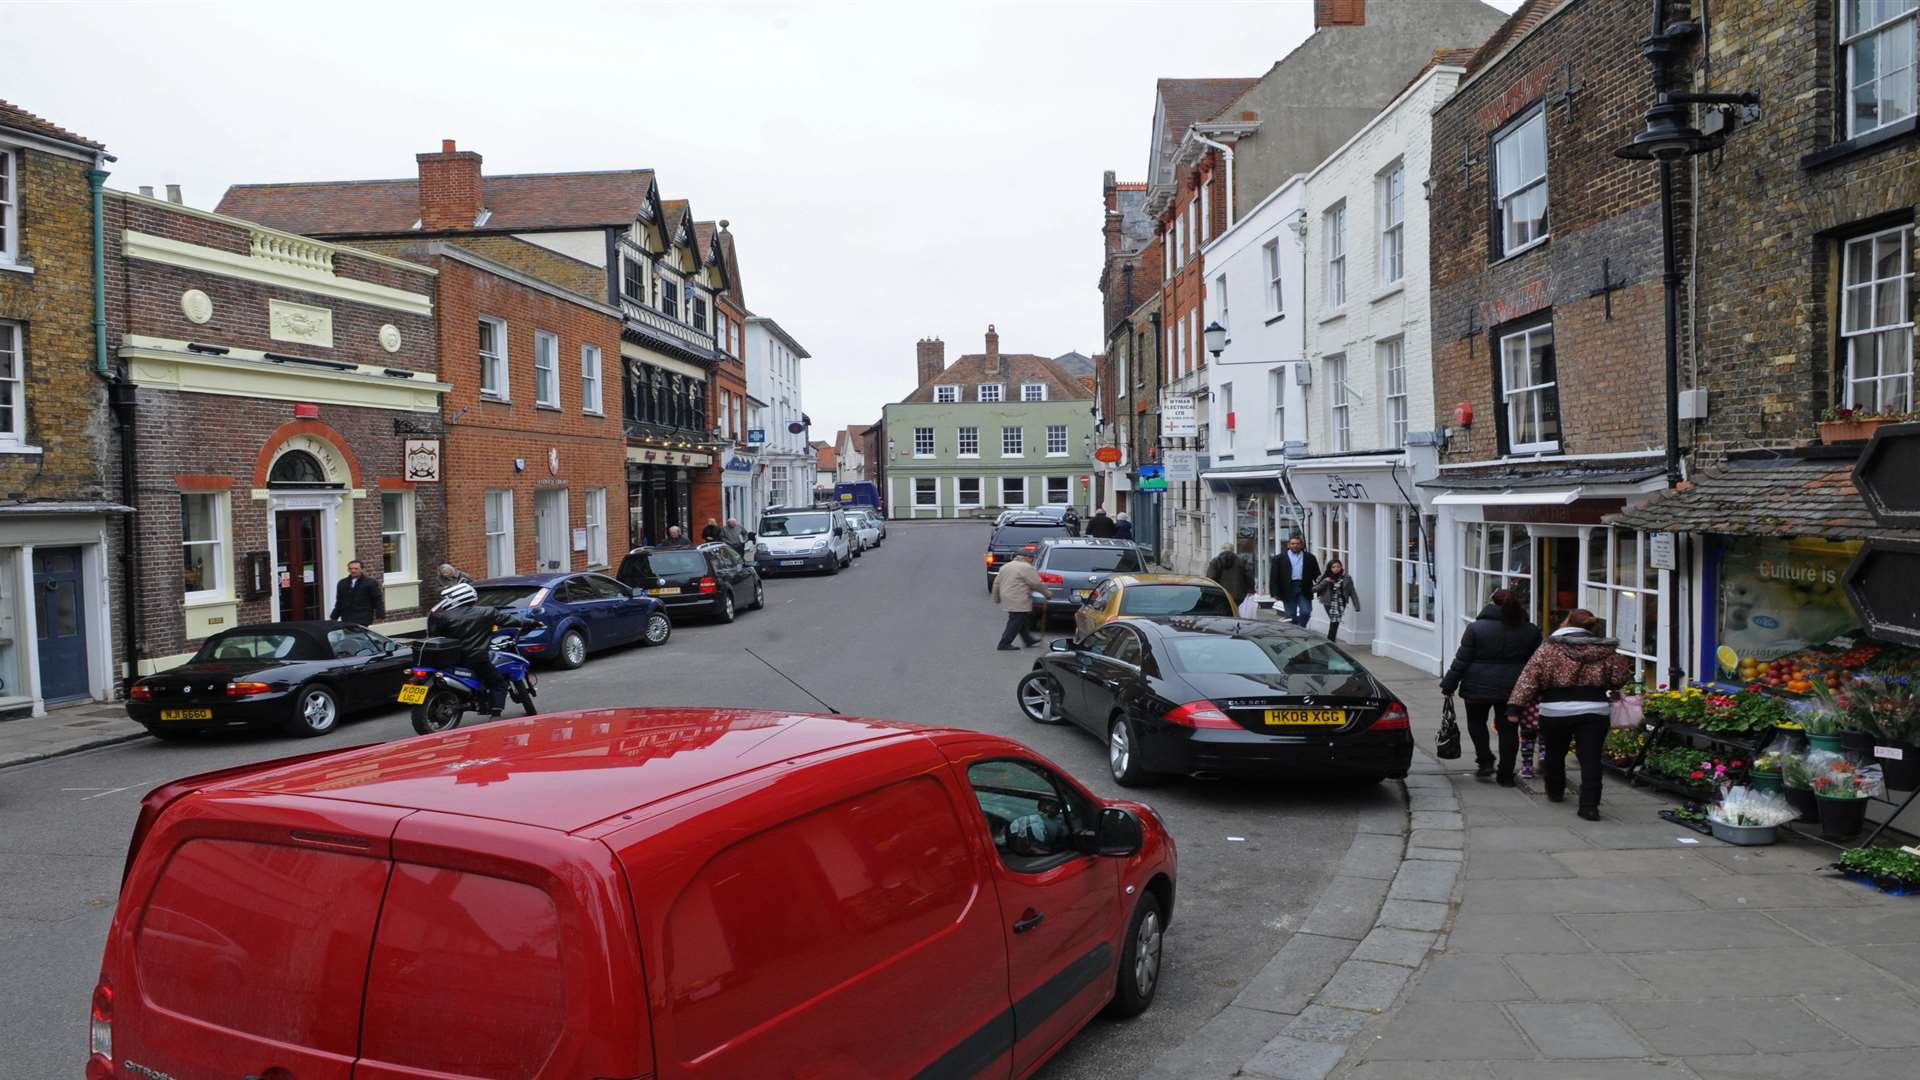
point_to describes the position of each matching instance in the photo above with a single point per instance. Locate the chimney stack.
(173, 195)
(147, 190)
(930, 358)
(1110, 198)
(451, 191)
(1339, 13)
(993, 350)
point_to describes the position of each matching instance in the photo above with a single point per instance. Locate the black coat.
(1280, 574)
(1100, 525)
(1491, 657)
(362, 603)
(470, 628)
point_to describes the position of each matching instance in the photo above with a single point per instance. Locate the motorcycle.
(442, 695)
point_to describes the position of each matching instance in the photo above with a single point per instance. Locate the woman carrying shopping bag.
(1573, 678)
(1493, 650)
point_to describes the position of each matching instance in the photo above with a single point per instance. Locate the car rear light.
(1394, 719)
(708, 585)
(1030, 548)
(419, 673)
(1053, 579)
(247, 689)
(100, 1034)
(989, 558)
(140, 693)
(1199, 715)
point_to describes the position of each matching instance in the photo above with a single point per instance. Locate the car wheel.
(441, 710)
(1039, 695)
(1140, 959)
(833, 566)
(759, 595)
(726, 605)
(659, 629)
(316, 711)
(1123, 753)
(573, 649)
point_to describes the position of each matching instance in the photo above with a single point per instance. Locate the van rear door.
(240, 948)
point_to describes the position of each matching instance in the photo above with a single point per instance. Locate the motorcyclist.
(469, 626)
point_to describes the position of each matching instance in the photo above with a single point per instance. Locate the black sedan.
(711, 580)
(299, 677)
(1215, 695)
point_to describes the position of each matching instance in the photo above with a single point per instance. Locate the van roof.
(569, 770)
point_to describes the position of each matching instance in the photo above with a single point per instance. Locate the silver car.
(1072, 567)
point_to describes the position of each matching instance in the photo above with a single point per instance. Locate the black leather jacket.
(1491, 657)
(470, 628)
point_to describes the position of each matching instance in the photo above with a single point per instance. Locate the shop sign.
(1348, 486)
(1153, 478)
(423, 461)
(735, 462)
(757, 436)
(1178, 418)
(1182, 465)
(640, 456)
(1777, 597)
(1582, 512)
(1888, 475)
(1109, 455)
(1880, 584)
(1660, 550)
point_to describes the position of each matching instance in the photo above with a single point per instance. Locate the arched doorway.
(305, 484)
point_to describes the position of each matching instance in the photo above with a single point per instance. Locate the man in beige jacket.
(1013, 589)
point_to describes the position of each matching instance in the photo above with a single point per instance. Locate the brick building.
(286, 407)
(727, 382)
(1129, 377)
(1547, 325)
(62, 525)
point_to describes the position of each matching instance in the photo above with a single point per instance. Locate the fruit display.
(1798, 672)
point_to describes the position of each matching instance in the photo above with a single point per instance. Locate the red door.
(1058, 906)
(303, 585)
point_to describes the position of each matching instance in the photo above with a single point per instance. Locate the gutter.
(1226, 152)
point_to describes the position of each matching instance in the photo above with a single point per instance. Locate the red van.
(626, 893)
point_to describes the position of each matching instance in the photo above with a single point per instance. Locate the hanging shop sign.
(1660, 550)
(1153, 478)
(1888, 475)
(1182, 466)
(423, 461)
(1178, 418)
(1880, 583)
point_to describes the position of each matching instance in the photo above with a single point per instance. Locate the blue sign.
(1153, 478)
(756, 436)
(738, 463)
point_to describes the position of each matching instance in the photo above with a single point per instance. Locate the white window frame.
(1530, 395)
(946, 394)
(596, 510)
(1276, 299)
(592, 400)
(932, 492)
(1507, 191)
(1639, 586)
(923, 442)
(968, 435)
(1390, 356)
(1166, 253)
(1408, 554)
(222, 584)
(1013, 441)
(1339, 403)
(1066, 491)
(1227, 418)
(1485, 567)
(497, 522)
(1333, 534)
(494, 378)
(1057, 435)
(1206, 212)
(1879, 355)
(406, 560)
(1277, 420)
(959, 497)
(1005, 483)
(9, 205)
(991, 393)
(13, 384)
(1033, 391)
(1335, 249)
(1853, 42)
(546, 369)
(1221, 314)
(1393, 222)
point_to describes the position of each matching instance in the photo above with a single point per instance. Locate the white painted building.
(774, 362)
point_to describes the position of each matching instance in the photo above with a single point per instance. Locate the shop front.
(1367, 513)
(1252, 512)
(736, 485)
(660, 492)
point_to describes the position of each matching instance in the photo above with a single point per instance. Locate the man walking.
(1227, 569)
(1013, 588)
(675, 538)
(357, 598)
(734, 535)
(1100, 524)
(1292, 574)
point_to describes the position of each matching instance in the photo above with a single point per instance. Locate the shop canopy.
(1766, 494)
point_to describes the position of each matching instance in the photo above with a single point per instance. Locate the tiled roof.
(1524, 18)
(1015, 368)
(825, 457)
(1765, 496)
(676, 212)
(14, 117)
(734, 290)
(1507, 478)
(1190, 101)
(514, 202)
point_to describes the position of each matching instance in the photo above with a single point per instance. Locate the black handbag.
(1447, 746)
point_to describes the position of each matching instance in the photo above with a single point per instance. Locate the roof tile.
(516, 202)
(19, 119)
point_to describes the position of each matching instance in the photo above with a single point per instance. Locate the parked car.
(1073, 567)
(670, 893)
(578, 614)
(799, 539)
(1220, 695)
(297, 677)
(1017, 536)
(1150, 596)
(711, 579)
(866, 532)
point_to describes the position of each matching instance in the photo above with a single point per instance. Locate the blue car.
(578, 614)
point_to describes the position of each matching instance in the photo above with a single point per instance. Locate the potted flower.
(1889, 710)
(1893, 870)
(1748, 817)
(1823, 728)
(1623, 746)
(1765, 774)
(1686, 705)
(1840, 424)
(1796, 782)
(1841, 792)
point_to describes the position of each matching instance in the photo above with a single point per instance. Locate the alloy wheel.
(574, 650)
(658, 628)
(1119, 749)
(1039, 699)
(318, 711)
(1146, 954)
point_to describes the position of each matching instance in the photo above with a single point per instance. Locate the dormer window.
(991, 392)
(1033, 391)
(946, 395)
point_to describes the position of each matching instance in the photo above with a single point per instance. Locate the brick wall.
(550, 266)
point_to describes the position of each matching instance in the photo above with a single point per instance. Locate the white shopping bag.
(1249, 608)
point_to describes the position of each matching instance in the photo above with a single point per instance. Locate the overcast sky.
(891, 170)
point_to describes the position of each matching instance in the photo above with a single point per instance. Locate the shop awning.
(1765, 495)
(1246, 474)
(1563, 497)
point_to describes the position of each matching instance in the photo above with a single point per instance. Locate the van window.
(1021, 795)
(856, 884)
(257, 938)
(486, 953)
(1093, 560)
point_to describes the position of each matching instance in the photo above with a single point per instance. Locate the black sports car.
(1216, 695)
(300, 677)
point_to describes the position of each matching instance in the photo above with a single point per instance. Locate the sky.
(892, 171)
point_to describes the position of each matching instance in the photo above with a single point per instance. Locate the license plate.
(186, 714)
(793, 562)
(1306, 717)
(1082, 594)
(670, 591)
(413, 693)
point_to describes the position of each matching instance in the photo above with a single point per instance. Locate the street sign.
(1108, 454)
(1178, 420)
(1183, 465)
(756, 436)
(1888, 475)
(1880, 584)
(796, 427)
(1660, 550)
(1153, 478)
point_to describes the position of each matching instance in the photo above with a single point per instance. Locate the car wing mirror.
(1060, 644)
(1120, 833)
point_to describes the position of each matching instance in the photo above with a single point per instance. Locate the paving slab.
(1391, 820)
(1589, 1070)
(1471, 977)
(1835, 1065)
(1781, 858)
(1434, 854)
(1437, 838)
(1483, 816)
(1559, 977)
(1297, 972)
(1902, 960)
(1682, 930)
(1385, 945)
(1576, 1031)
(1639, 863)
(1563, 896)
(1623, 836)
(1417, 1070)
(1871, 1020)
(1346, 909)
(1373, 855)
(1325, 1023)
(1424, 881)
(1363, 984)
(1527, 838)
(1287, 1058)
(1219, 1047)
(1532, 932)
(1437, 819)
(1776, 891)
(1514, 865)
(1450, 1031)
(1432, 799)
(1731, 1026)
(1741, 973)
(1413, 915)
(1871, 925)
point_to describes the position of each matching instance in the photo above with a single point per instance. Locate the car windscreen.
(1259, 656)
(1092, 560)
(1174, 600)
(247, 645)
(795, 525)
(1020, 535)
(507, 596)
(673, 563)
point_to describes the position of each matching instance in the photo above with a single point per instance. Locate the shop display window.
(1780, 618)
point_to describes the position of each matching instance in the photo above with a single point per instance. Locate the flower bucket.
(1899, 764)
(1743, 835)
(1765, 781)
(1840, 819)
(1802, 799)
(1826, 742)
(1857, 742)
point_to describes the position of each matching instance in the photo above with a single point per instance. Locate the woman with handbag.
(1494, 649)
(1573, 677)
(1335, 590)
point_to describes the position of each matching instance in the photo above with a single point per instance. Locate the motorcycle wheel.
(440, 712)
(523, 692)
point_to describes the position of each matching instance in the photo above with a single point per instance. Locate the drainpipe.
(96, 179)
(120, 397)
(1225, 152)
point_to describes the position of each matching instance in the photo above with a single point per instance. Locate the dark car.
(1208, 695)
(578, 614)
(711, 580)
(299, 677)
(1072, 568)
(1019, 535)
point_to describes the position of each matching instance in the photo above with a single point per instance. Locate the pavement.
(66, 729)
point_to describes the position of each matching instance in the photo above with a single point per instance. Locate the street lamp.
(1216, 336)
